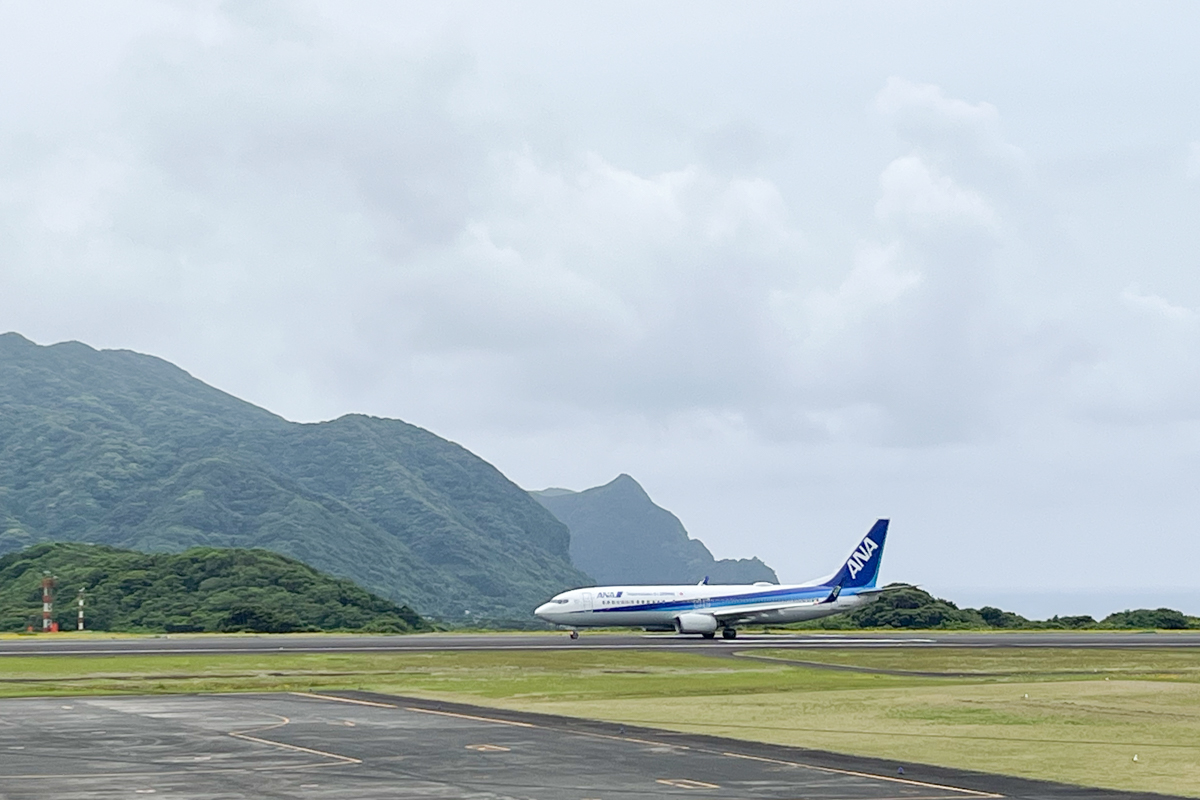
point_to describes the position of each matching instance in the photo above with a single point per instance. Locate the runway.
(355, 744)
(50, 644)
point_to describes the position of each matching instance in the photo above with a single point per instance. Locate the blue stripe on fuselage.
(728, 601)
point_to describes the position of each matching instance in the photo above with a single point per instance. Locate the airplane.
(705, 609)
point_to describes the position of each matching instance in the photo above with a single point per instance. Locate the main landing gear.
(726, 633)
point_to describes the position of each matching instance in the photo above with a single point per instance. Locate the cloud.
(1146, 370)
(253, 185)
(701, 266)
(351, 209)
(915, 194)
(1158, 307)
(345, 214)
(272, 180)
(622, 290)
(912, 346)
(923, 107)
(954, 129)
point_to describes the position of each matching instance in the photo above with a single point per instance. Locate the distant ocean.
(1097, 603)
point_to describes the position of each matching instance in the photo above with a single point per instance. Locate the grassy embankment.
(1070, 715)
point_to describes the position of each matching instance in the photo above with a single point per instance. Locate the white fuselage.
(659, 607)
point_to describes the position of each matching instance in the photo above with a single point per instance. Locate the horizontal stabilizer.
(891, 587)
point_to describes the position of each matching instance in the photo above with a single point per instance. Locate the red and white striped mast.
(47, 601)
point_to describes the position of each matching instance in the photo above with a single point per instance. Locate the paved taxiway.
(361, 745)
(302, 643)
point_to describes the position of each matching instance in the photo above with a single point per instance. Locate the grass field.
(1069, 715)
(1013, 663)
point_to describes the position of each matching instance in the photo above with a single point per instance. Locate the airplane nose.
(542, 610)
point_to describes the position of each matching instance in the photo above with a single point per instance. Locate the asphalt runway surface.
(49, 644)
(361, 745)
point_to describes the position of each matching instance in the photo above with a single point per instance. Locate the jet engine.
(695, 623)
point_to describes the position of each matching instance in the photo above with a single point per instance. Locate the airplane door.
(587, 601)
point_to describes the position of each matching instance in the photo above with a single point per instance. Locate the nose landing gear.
(574, 634)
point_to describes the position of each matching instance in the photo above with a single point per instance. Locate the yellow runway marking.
(343, 700)
(972, 792)
(905, 781)
(647, 741)
(296, 747)
(472, 717)
(924, 797)
(285, 721)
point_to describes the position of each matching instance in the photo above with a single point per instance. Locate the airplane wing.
(764, 612)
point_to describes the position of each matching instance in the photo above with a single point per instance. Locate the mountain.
(118, 448)
(202, 589)
(618, 535)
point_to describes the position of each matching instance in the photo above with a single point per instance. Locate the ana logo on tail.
(861, 556)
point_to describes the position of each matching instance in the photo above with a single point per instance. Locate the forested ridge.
(201, 589)
(913, 608)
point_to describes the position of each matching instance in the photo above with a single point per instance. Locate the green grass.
(1068, 715)
(1013, 663)
(533, 676)
(1083, 732)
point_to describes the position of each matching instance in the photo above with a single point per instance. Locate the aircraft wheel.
(708, 635)
(729, 633)
(574, 634)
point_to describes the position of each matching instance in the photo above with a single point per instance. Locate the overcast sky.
(792, 266)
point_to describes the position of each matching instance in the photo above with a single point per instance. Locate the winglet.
(862, 568)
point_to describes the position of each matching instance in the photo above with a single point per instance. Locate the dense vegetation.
(910, 607)
(618, 535)
(201, 589)
(118, 448)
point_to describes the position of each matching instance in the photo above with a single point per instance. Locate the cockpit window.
(560, 600)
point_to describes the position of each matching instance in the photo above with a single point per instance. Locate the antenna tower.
(47, 601)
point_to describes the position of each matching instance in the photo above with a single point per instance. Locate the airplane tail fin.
(862, 568)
